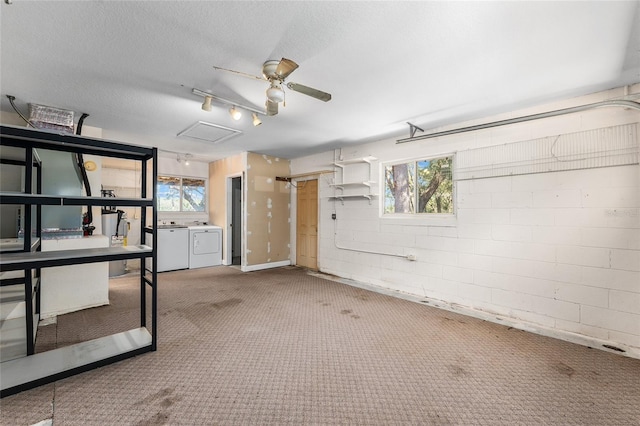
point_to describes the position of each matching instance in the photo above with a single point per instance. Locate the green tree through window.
(423, 186)
(177, 194)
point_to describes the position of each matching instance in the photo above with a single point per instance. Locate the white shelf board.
(352, 184)
(13, 338)
(12, 244)
(343, 163)
(9, 197)
(80, 256)
(28, 369)
(343, 197)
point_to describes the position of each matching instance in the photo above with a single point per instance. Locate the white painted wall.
(556, 253)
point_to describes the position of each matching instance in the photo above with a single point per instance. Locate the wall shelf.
(352, 184)
(354, 178)
(351, 197)
(25, 255)
(342, 163)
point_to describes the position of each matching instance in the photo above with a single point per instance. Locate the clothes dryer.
(205, 246)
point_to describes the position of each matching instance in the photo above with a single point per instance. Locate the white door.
(206, 242)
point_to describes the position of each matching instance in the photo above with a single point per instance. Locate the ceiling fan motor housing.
(269, 70)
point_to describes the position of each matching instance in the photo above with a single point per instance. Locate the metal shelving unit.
(37, 369)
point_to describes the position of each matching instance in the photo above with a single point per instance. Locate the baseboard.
(251, 268)
(568, 336)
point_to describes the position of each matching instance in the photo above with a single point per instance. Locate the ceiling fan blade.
(272, 107)
(285, 67)
(310, 91)
(244, 74)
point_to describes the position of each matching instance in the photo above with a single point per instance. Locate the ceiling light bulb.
(275, 93)
(235, 113)
(256, 120)
(206, 105)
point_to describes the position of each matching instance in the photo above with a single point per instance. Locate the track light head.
(256, 120)
(206, 105)
(236, 114)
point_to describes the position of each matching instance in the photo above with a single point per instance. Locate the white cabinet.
(173, 249)
(354, 179)
(61, 289)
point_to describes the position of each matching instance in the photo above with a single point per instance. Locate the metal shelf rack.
(37, 369)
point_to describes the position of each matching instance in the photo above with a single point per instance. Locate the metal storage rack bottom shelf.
(27, 372)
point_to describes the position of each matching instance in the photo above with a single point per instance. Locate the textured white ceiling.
(132, 64)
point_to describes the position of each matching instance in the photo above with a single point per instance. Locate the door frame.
(226, 252)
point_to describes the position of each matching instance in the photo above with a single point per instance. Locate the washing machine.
(205, 246)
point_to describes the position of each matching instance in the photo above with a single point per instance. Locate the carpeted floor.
(285, 347)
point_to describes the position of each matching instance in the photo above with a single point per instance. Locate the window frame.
(181, 211)
(438, 219)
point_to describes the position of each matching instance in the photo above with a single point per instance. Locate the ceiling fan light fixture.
(275, 93)
(236, 114)
(206, 105)
(256, 120)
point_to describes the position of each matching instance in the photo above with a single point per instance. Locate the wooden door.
(307, 224)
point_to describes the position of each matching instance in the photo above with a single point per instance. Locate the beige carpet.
(284, 347)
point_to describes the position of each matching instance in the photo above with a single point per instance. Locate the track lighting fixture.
(236, 114)
(206, 105)
(236, 109)
(180, 158)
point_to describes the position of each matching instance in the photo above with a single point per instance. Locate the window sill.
(444, 220)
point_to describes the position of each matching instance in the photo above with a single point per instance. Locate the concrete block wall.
(557, 253)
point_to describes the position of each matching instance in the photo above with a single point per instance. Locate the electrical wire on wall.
(338, 246)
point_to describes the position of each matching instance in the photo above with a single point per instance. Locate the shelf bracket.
(412, 129)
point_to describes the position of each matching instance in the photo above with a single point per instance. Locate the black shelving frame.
(31, 259)
(31, 282)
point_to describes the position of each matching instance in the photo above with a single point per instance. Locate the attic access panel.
(209, 132)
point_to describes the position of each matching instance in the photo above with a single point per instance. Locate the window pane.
(193, 195)
(168, 193)
(435, 185)
(399, 188)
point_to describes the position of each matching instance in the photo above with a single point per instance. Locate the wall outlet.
(412, 257)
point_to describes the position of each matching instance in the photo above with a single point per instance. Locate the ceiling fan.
(275, 72)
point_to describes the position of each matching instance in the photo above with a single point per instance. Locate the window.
(181, 194)
(421, 186)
